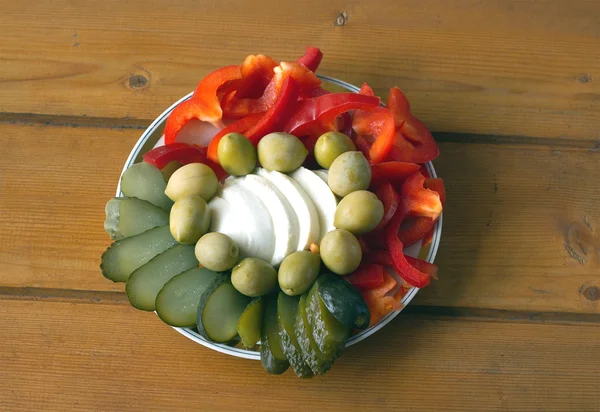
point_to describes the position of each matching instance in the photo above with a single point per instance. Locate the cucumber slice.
(128, 216)
(146, 182)
(286, 316)
(177, 302)
(219, 310)
(126, 255)
(344, 301)
(249, 325)
(329, 334)
(144, 283)
(271, 352)
(313, 357)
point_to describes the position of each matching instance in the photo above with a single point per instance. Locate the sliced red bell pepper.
(412, 140)
(317, 116)
(390, 200)
(367, 276)
(236, 107)
(423, 266)
(312, 93)
(378, 303)
(311, 59)
(419, 201)
(417, 228)
(274, 119)
(392, 172)
(183, 153)
(376, 238)
(257, 72)
(240, 126)
(364, 246)
(366, 90)
(379, 257)
(204, 104)
(362, 144)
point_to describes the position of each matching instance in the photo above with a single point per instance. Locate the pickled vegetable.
(194, 179)
(349, 172)
(359, 212)
(298, 272)
(254, 277)
(330, 145)
(344, 301)
(219, 310)
(189, 219)
(281, 152)
(128, 216)
(146, 182)
(217, 251)
(237, 155)
(177, 301)
(145, 283)
(313, 357)
(126, 255)
(286, 315)
(272, 356)
(340, 251)
(249, 325)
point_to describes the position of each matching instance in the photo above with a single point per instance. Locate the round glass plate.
(153, 137)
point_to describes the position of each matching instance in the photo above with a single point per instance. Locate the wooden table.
(511, 90)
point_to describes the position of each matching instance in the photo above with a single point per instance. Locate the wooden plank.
(61, 356)
(513, 225)
(510, 67)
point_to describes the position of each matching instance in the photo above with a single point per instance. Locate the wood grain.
(61, 356)
(515, 233)
(494, 67)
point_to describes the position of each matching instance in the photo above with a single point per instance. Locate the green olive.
(359, 212)
(298, 272)
(194, 179)
(330, 145)
(189, 219)
(237, 155)
(281, 152)
(340, 251)
(254, 277)
(217, 251)
(348, 173)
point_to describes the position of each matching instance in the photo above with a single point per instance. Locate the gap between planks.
(33, 119)
(475, 314)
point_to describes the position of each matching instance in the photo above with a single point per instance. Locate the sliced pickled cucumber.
(128, 216)
(328, 333)
(126, 255)
(272, 356)
(146, 182)
(313, 357)
(286, 315)
(344, 301)
(219, 310)
(177, 302)
(145, 282)
(249, 325)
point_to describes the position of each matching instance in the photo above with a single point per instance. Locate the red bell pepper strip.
(183, 153)
(390, 200)
(412, 141)
(257, 72)
(311, 59)
(204, 104)
(366, 90)
(393, 172)
(437, 185)
(240, 126)
(317, 116)
(379, 257)
(274, 119)
(362, 144)
(423, 266)
(422, 227)
(378, 303)
(364, 246)
(367, 276)
(312, 93)
(419, 201)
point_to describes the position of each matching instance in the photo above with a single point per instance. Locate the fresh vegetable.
(249, 325)
(240, 126)
(378, 123)
(367, 276)
(298, 272)
(126, 255)
(189, 219)
(217, 251)
(219, 310)
(204, 104)
(194, 179)
(390, 200)
(340, 251)
(359, 212)
(145, 283)
(183, 153)
(378, 300)
(128, 216)
(392, 172)
(311, 59)
(146, 182)
(177, 301)
(349, 172)
(254, 277)
(236, 154)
